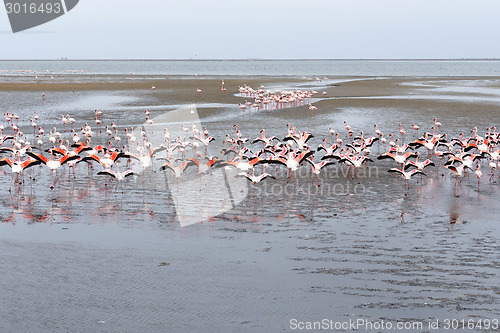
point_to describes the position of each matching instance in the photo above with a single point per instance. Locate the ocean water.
(260, 67)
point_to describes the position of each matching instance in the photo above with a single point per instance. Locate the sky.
(267, 29)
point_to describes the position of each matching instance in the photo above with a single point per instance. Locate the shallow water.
(87, 257)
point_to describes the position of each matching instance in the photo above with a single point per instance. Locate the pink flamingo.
(478, 174)
(406, 176)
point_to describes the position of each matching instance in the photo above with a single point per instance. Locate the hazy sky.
(163, 29)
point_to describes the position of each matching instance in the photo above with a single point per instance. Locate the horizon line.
(256, 59)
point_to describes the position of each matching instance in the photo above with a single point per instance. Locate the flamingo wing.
(226, 151)
(278, 160)
(212, 161)
(5, 138)
(476, 157)
(167, 165)
(470, 146)
(241, 141)
(99, 148)
(129, 173)
(308, 160)
(352, 146)
(29, 163)
(307, 136)
(67, 158)
(5, 161)
(290, 137)
(409, 154)
(324, 164)
(56, 150)
(187, 163)
(304, 155)
(386, 155)
(156, 150)
(222, 163)
(448, 153)
(194, 161)
(90, 158)
(410, 164)
(371, 140)
(346, 160)
(130, 155)
(394, 170)
(269, 151)
(78, 144)
(244, 175)
(266, 175)
(80, 148)
(321, 147)
(451, 167)
(415, 172)
(428, 162)
(457, 142)
(416, 144)
(335, 156)
(2, 149)
(39, 157)
(217, 163)
(108, 172)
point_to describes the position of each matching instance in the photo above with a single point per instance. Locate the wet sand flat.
(87, 257)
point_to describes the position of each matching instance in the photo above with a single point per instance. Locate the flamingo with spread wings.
(53, 164)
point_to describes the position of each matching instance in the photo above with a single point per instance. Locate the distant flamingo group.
(265, 99)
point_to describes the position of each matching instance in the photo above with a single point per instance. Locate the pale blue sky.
(164, 29)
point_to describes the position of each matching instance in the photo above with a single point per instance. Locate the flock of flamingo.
(292, 151)
(279, 99)
(73, 147)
